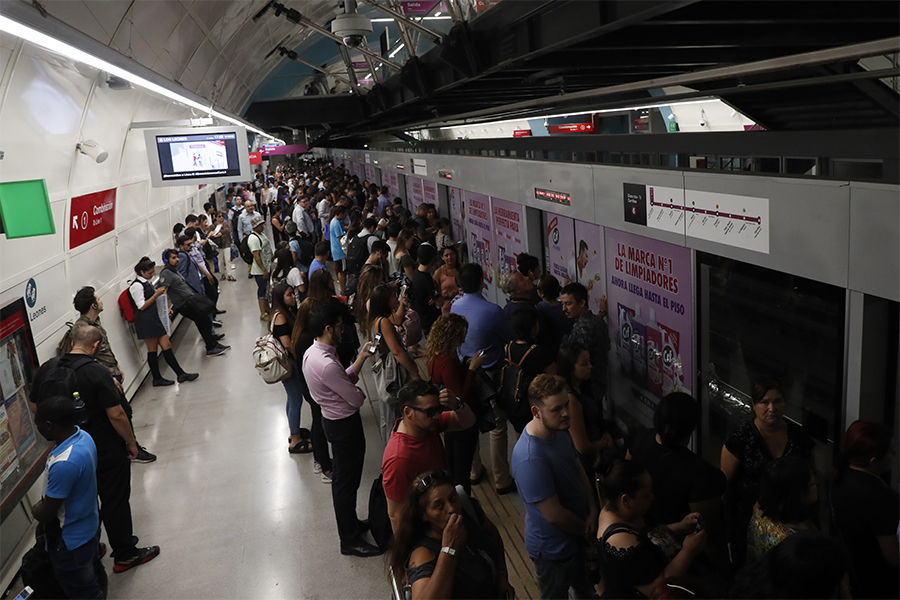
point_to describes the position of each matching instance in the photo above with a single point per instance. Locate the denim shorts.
(261, 287)
(79, 571)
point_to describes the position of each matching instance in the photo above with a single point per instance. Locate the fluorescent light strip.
(394, 53)
(581, 112)
(58, 47)
(435, 18)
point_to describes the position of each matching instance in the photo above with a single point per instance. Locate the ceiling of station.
(522, 58)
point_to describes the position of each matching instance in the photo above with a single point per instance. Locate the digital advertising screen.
(200, 155)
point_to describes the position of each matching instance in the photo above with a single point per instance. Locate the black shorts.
(340, 266)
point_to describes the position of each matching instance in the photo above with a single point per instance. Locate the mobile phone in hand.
(375, 342)
(403, 290)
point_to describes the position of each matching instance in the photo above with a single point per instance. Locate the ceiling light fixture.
(434, 18)
(396, 50)
(71, 52)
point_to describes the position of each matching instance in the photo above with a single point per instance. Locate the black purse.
(484, 390)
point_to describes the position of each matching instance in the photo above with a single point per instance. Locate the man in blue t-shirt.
(323, 252)
(560, 511)
(68, 511)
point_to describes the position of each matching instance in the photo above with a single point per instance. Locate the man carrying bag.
(191, 305)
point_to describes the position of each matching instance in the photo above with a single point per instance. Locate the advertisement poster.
(650, 312)
(390, 181)
(589, 264)
(20, 422)
(429, 191)
(415, 193)
(561, 248)
(370, 174)
(457, 214)
(8, 459)
(481, 239)
(509, 237)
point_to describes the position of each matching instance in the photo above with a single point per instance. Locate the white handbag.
(271, 360)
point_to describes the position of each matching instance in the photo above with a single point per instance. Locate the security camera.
(93, 150)
(702, 118)
(352, 28)
(702, 122)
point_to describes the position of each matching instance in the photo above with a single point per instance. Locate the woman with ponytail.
(867, 510)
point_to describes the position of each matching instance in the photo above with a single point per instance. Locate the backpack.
(60, 381)
(65, 344)
(270, 359)
(514, 383)
(126, 307)
(246, 253)
(307, 249)
(357, 252)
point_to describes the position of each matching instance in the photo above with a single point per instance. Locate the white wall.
(47, 105)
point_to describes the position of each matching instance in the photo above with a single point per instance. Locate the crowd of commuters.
(352, 285)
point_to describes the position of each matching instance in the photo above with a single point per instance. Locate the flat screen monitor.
(197, 155)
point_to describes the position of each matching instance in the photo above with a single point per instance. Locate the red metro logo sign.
(571, 128)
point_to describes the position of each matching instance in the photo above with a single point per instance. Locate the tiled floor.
(235, 515)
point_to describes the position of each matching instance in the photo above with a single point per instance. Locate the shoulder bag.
(389, 375)
(270, 359)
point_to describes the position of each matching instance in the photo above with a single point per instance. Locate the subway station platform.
(234, 514)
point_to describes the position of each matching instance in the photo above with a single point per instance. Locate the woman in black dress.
(148, 325)
(750, 449)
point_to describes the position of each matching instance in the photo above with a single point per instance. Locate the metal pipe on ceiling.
(437, 37)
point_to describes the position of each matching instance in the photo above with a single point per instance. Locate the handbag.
(389, 375)
(270, 359)
(410, 331)
(483, 391)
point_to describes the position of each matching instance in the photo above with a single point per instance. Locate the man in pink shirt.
(334, 390)
(415, 446)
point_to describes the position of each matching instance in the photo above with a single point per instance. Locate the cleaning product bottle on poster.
(639, 347)
(625, 339)
(679, 375)
(668, 365)
(654, 356)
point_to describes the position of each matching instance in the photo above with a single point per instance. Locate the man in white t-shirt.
(262, 257)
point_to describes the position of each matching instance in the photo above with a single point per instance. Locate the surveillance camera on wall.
(702, 122)
(352, 28)
(702, 118)
(93, 150)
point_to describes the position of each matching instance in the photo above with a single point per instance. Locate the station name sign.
(551, 196)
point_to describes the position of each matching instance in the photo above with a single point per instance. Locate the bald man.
(105, 418)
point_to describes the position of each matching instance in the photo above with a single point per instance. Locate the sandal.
(230, 278)
(301, 447)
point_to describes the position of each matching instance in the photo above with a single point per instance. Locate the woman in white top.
(149, 326)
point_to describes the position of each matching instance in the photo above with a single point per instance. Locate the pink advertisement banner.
(589, 264)
(509, 237)
(561, 248)
(481, 239)
(650, 308)
(415, 193)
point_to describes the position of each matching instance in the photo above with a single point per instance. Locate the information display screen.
(198, 156)
(213, 155)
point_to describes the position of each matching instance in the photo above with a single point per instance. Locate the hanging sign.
(571, 128)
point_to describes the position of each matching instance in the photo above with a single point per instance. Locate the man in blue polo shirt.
(69, 511)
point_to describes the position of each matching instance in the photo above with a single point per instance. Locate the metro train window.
(756, 322)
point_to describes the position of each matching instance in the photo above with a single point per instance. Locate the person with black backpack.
(101, 413)
(360, 246)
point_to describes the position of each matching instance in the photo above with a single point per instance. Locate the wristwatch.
(449, 550)
(459, 404)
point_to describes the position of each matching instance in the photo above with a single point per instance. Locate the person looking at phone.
(444, 550)
(415, 445)
(629, 561)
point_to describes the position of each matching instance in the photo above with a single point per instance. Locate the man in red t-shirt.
(415, 445)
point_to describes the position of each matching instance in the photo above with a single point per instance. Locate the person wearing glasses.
(334, 389)
(444, 550)
(415, 444)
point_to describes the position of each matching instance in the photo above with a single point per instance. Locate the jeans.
(319, 441)
(80, 572)
(294, 389)
(348, 443)
(555, 577)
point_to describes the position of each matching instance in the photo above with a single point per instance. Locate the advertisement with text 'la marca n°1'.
(650, 308)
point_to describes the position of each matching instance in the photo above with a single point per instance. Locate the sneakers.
(326, 477)
(162, 382)
(233, 266)
(188, 377)
(143, 456)
(216, 323)
(317, 468)
(144, 555)
(218, 336)
(219, 350)
(219, 311)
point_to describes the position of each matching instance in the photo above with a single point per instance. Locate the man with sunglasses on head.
(415, 445)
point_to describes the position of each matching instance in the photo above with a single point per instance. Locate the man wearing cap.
(262, 257)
